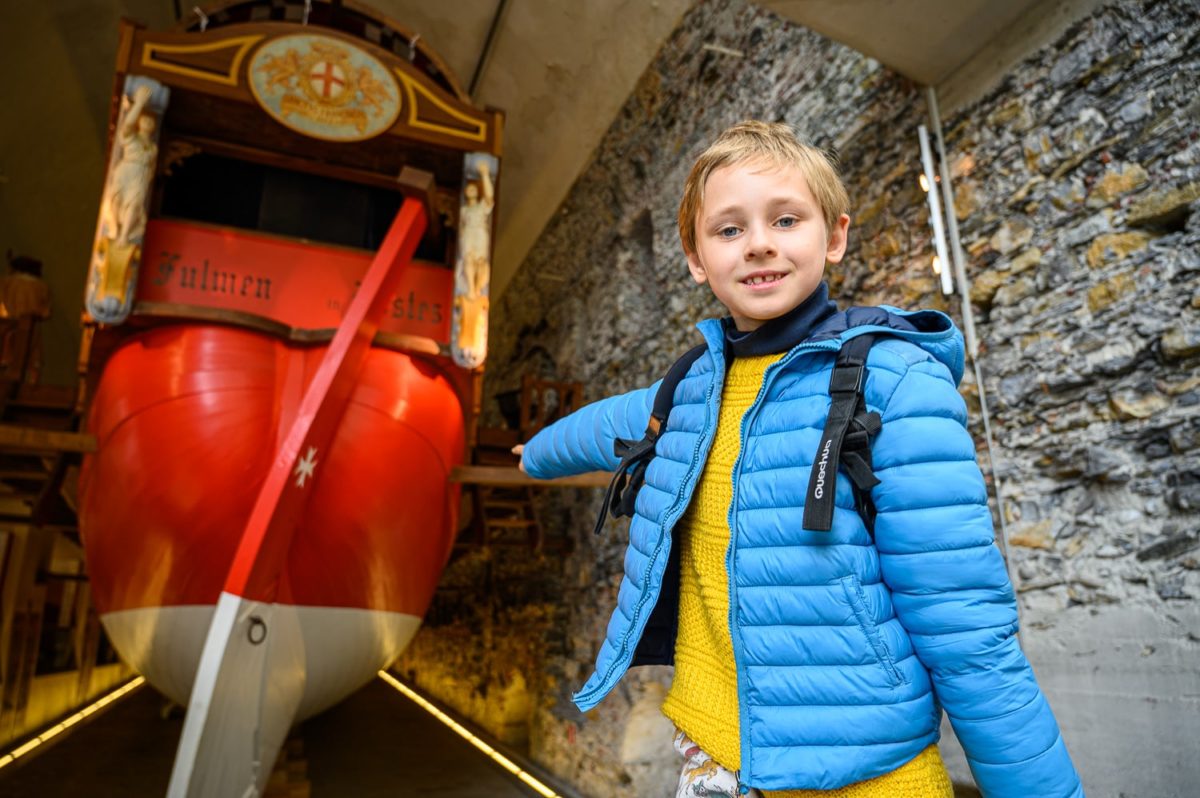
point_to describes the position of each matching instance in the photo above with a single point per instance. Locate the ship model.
(285, 326)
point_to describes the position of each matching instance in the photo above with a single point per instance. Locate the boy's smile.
(761, 241)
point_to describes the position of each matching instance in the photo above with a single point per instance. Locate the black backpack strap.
(636, 455)
(846, 441)
(856, 460)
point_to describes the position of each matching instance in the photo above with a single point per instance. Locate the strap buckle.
(846, 378)
(627, 480)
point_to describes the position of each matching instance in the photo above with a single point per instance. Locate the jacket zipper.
(731, 552)
(828, 345)
(662, 530)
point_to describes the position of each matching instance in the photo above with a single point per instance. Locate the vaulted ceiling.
(562, 70)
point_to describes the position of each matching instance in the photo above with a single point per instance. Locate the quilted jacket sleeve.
(951, 591)
(583, 441)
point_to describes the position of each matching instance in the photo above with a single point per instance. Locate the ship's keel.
(281, 664)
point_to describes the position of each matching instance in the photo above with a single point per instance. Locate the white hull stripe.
(283, 663)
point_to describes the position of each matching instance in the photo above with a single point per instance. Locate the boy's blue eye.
(727, 232)
(787, 221)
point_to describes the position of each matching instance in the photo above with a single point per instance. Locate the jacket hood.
(931, 330)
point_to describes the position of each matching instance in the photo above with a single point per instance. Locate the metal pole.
(968, 315)
(956, 250)
(935, 213)
(488, 45)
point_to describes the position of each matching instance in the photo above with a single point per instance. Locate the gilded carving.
(473, 268)
(123, 206)
(324, 88)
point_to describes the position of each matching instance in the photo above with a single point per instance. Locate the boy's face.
(761, 241)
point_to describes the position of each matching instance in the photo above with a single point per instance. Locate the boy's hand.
(518, 450)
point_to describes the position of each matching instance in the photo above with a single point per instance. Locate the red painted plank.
(299, 284)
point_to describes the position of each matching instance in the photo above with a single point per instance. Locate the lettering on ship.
(210, 279)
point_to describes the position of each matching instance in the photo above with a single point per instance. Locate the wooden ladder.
(507, 516)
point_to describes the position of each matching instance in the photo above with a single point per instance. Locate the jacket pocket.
(856, 597)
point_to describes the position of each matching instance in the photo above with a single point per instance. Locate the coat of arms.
(324, 88)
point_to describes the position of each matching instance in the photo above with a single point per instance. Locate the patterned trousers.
(702, 776)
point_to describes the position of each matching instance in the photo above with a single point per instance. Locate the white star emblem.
(304, 468)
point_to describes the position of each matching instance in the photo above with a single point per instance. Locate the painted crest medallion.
(324, 87)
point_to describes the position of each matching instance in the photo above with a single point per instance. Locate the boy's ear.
(838, 237)
(696, 268)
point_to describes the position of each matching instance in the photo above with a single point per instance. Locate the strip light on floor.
(496, 756)
(67, 723)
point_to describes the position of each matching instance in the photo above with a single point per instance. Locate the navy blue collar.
(781, 334)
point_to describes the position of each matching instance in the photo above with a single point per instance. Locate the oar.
(252, 671)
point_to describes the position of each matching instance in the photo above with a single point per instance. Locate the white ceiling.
(561, 69)
(925, 40)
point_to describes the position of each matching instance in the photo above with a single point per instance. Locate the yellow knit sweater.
(703, 699)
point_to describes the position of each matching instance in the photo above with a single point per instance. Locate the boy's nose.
(759, 244)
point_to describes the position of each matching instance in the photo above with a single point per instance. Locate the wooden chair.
(545, 401)
(506, 515)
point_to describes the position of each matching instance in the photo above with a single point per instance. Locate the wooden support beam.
(16, 519)
(57, 576)
(54, 397)
(33, 439)
(511, 476)
(24, 474)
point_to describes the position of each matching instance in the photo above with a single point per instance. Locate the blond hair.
(775, 143)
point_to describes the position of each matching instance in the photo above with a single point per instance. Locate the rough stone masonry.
(1078, 196)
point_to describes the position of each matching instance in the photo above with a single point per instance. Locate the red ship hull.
(188, 418)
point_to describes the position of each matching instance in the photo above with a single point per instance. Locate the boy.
(810, 662)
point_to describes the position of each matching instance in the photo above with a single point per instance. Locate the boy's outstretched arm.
(952, 594)
(583, 441)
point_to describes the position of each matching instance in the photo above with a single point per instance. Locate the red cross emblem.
(327, 79)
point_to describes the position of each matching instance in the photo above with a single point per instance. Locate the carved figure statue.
(475, 232)
(123, 206)
(473, 270)
(124, 209)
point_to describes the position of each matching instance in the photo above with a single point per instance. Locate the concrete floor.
(127, 751)
(375, 743)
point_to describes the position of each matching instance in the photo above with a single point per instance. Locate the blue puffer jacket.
(846, 651)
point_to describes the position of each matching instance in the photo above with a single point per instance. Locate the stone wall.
(1079, 180)
(1077, 186)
